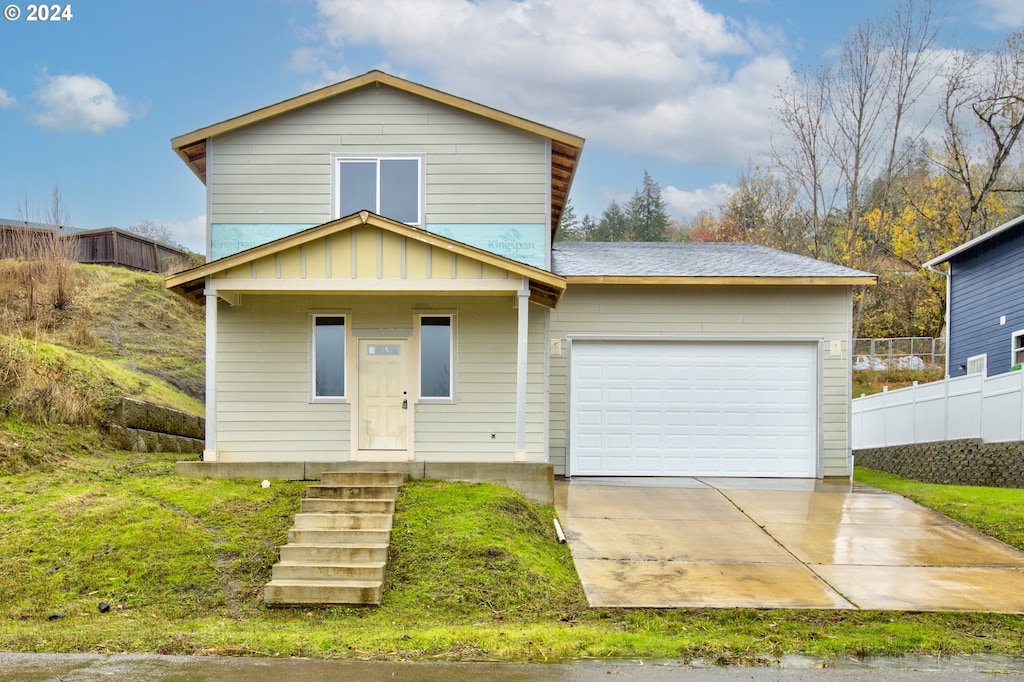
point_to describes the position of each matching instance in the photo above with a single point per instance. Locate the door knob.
(405, 404)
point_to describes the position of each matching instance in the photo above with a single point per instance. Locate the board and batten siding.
(278, 171)
(986, 285)
(709, 312)
(263, 407)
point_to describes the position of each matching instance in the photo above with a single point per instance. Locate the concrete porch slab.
(778, 544)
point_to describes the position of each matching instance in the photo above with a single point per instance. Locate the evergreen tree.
(568, 225)
(613, 226)
(646, 213)
(588, 228)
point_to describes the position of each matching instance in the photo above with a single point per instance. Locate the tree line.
(644, 218)
(894, 154)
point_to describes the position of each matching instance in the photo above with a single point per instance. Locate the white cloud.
(6, 100)
(662, 77)
(686, 204)
(80, 103)
(1002, 14)
(189, 233)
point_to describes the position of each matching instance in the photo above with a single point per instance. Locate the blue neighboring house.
(985, 302)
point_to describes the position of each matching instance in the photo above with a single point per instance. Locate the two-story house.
(383, 285)
(984, 302)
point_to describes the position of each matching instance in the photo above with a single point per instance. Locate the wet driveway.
(769, 543)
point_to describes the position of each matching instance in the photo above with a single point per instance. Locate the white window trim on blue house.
(1017, 348)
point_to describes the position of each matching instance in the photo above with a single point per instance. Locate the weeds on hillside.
(41, 279)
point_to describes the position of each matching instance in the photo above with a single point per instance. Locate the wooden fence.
(108, 246)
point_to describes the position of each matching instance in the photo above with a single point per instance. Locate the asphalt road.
(93, 668)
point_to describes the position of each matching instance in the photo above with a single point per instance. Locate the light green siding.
(710, 311)
(278, 171)
(263, 408)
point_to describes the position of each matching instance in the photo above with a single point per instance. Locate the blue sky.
(680, 88)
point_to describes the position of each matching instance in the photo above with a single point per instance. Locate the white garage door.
(644, 408)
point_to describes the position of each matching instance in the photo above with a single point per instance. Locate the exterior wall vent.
(978, 364)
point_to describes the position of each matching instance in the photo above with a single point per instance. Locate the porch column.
(210, 449)
(523, 302)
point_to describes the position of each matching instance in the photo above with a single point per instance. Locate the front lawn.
(475, 574)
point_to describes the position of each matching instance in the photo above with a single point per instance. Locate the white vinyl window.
(388, 186)
(1017, 349)
(327, 350)
(437, 357)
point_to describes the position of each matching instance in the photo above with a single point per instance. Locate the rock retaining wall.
(958, 462)
(144, 427)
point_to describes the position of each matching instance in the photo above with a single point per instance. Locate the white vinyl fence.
(973, 406)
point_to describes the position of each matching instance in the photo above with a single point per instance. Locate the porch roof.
(260, 268)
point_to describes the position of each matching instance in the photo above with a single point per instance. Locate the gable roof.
(545, 288)
(694, 263)
(565, 147)
(977, 241)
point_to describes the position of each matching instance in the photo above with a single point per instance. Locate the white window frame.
(338, 158)
(313, 397)
(1017, 348)
(979, 363)
(451, 398)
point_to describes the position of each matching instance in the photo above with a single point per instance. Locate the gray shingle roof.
(687, 259)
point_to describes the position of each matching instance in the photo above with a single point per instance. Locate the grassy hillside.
(73, 341)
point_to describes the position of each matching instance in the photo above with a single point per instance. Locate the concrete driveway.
(765, 543)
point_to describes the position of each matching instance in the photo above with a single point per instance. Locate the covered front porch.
(365, 340)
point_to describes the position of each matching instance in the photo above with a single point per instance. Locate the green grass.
(63, 371)
(869, 381)
(475, 574)
(999, 512)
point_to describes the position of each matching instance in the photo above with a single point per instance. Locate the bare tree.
(910, 68)
(57, 213)
(857, 98)
(983, 112)
(805, 158)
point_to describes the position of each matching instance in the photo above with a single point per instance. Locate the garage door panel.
(655, 408)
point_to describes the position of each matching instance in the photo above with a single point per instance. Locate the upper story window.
(390, 186)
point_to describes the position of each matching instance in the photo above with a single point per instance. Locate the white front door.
(383, 397)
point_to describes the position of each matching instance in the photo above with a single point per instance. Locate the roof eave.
(1008, 225)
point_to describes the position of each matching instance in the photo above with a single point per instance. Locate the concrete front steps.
(337, 550)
